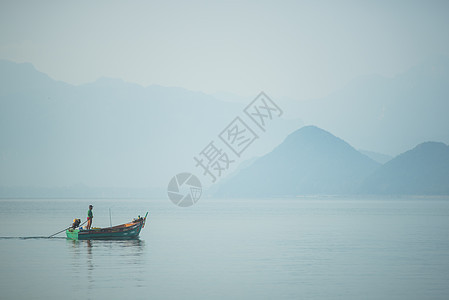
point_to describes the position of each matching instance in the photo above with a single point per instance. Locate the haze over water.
(113, 100)
(307, 248)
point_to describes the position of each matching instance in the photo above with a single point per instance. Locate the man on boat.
(90, 216)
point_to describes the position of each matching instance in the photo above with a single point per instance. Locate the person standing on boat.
(90, 216)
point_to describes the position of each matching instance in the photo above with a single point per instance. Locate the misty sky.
(296, 49)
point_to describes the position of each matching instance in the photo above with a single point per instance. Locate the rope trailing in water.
(65, 230)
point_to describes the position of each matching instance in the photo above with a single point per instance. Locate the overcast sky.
(297, 49)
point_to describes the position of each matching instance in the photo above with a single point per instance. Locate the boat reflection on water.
(96, 263)
(132, 243)
(120, 248)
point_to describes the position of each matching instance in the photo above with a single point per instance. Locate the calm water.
(312, 248)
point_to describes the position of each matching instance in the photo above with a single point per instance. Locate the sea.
(320, 247)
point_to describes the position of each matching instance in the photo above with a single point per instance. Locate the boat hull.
(125, 231)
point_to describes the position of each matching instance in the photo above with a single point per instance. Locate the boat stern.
(72, 233)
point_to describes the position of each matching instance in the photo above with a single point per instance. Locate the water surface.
(307, 248)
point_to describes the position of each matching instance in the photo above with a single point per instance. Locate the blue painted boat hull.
(125, 231)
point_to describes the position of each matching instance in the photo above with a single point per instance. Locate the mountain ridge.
(423, 170)
(313, 161)
(385, 114)
(106, 133)
(306, 165)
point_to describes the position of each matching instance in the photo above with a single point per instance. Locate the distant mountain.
(309, 161)
(424, 170)
(385, 114)
(379, 157)
(108, 133)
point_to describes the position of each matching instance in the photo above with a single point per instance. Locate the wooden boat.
(129, 230)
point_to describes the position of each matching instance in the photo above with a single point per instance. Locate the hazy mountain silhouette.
(111, 133)
(424, 170)
(385, 114)
(309, 161)
(108, 133)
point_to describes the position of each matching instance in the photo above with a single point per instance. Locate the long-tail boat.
(129, 230)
